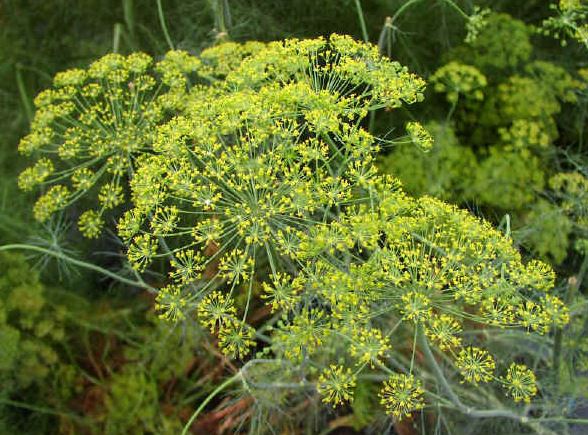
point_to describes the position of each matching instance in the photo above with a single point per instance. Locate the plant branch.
(83, 264)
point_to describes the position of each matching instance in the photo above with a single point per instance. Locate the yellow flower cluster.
(401, 395)
(419, 136)
(92, 124)
(263, 183)
(413, 264)
(335, 384)
(456, 79)
(568, 22)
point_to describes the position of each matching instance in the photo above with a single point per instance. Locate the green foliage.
(32, 328)
(445, 172)
(510, 134)
(502, 44)
(112, 361)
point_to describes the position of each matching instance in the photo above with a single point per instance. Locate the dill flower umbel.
(215, 309)
(336, 385)
(520, 383)
(444, 330)
(475, 365)
(419, 136)
(432, 266)
(368, 346)
(234, 176)
(337, 64)
(402, 395)
(456, 79)
(92, 124)
(568, 22)
(236, 338)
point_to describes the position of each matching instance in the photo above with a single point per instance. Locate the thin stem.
(22, 91)
(438, 372)
(414, 345)
(44, 410)
(223, 19)
(364, 30)
(62, 256)
(211, 396)
(116, 38)
(573, 288)
(457, 8)
(402, 9)
(163, 25)
(452, 110)
(383, 38)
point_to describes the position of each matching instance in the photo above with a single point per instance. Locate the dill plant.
(237, 177)
(410, 268)
(568, 22)
(263, 192)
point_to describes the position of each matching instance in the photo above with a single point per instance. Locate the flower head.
(401, 395)
(91, 126)
(475, 365)
(520, 383)
(336, 385)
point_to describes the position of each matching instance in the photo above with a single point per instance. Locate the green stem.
(22, 90)
(222, 18)
(573, 288)
(62, 256)
(116, 38)
(457, 8)
(129, 17)
(475, 413)
(452, 110)
(211, 396)
(44, 410)
(364, 30)
(163, 25)
(384, 37)
(402, 9)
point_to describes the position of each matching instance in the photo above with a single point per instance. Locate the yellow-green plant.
(263, 193)
(503, 116)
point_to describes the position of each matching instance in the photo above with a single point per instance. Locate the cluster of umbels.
(262, 190)
(495, 147)
(456, 79)
(338, 65)
(475, 23)
(400, 267)
(90, 127)
(237, 176)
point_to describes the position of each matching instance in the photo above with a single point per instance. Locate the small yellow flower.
(171, 304)
(520, 382)
(420, 136)
(475, 365)
(336, 385)
(443, 330)
(90, 224)
(369, 346)
(415, 306)
(236, 338)
(401, 395)
(215, 309)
